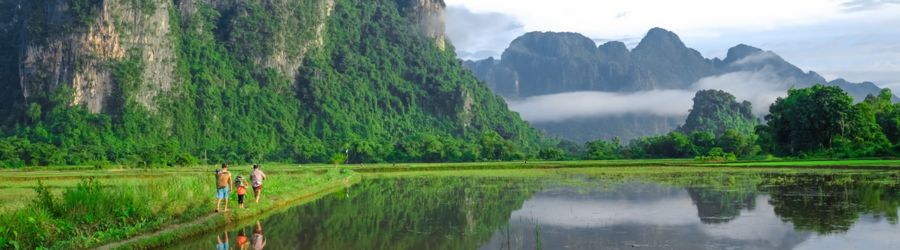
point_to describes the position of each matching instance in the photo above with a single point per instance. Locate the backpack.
(222, 179)
(239, 181)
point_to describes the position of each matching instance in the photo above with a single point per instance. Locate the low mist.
(565, 106)
(759, 87)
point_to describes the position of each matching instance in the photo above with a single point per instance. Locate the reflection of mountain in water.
(783, 212)
(653, 216)
(720, 206)
(645, 215)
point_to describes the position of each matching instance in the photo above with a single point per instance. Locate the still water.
(800, 211)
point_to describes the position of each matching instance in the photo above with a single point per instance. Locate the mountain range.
(546, 63)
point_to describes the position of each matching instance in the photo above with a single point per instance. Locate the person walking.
(256, 178)
(223, 187)
(241, 184)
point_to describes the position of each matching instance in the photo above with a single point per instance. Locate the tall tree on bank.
(822, 119)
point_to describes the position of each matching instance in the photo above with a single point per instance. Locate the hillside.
(163, 82)
(716, 112)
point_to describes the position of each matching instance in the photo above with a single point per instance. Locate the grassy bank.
(66, 209)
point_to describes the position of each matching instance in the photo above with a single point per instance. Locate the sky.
(858, 40)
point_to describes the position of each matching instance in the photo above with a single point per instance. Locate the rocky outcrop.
(80, 47)
(431, 17)
(668, 63)
(717, 111)
(86, 43)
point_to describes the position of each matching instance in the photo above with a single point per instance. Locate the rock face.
(549, 63)
(65, 46)
(431, 17)
(668, 63)
(541, 63)
(79, 46)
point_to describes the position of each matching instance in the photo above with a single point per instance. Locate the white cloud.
(480, 35)
(756, 58)
(606, 19)
(860, 5)
(564, 106)
(761, 88)
(671, 211)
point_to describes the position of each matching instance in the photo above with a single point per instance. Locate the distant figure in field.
(241, 184)
(257, 240)
(256, 177)
(223, 187)
(222, 245)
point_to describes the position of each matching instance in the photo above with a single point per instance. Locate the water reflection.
(654, 216)
(752, 212)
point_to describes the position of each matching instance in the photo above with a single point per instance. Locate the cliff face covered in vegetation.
(716, 112)
(174, 82)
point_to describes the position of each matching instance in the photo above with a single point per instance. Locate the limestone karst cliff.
(165, 81)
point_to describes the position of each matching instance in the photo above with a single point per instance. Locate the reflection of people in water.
(257, 240)
(222, 245)
(242, 241)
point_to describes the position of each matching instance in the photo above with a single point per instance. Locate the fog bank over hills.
(562, 78)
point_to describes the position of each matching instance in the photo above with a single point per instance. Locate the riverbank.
(213, 221)
(77, 209)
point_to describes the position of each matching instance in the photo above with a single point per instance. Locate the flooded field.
(588, 210)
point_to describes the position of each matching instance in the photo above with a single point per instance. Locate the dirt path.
(158, 233)
(215, 220)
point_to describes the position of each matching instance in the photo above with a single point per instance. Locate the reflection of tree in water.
(410, 213)
(715, 207)
(833, 203)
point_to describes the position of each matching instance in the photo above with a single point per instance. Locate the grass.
(67, 209)
(83, 207)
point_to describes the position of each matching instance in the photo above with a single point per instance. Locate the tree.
(552, 153)
(603, 150)
(808, 120)
(823, 120)
(739, 144)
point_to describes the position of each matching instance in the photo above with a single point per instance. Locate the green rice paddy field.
(83, 207)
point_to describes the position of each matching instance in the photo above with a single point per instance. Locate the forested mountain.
(542, 63)
(171, 82)
(717, 111)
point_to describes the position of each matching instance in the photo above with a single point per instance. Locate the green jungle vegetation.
(815, 122)
(378, 90)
